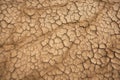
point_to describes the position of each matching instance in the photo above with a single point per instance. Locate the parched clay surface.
(59, 39)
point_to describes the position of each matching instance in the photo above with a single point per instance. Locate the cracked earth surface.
(59, 39)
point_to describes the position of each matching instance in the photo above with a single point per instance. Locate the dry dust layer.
(59, 39)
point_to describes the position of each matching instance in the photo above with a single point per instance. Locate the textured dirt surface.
(59, 39)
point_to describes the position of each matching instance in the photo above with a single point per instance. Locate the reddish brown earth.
(59, 39)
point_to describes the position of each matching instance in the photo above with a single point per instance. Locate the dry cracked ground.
(59, 39)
